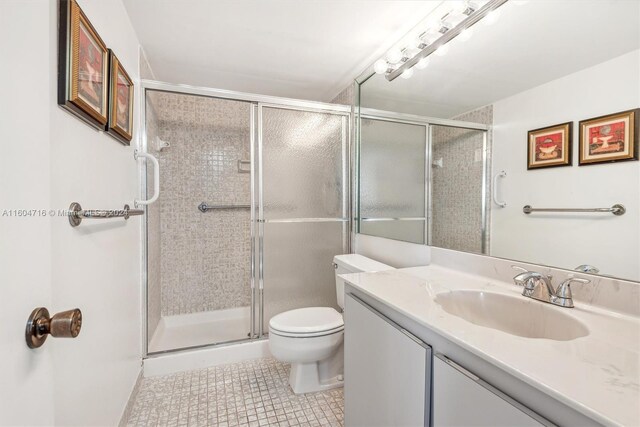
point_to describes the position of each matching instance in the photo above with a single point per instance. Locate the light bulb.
(422, 64)
(394, 56)
(492, 17)
(406, 74)
(442, 50)
(380, 66)
(465, 34)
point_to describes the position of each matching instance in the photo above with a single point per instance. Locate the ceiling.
(531, 44)
(306, 49)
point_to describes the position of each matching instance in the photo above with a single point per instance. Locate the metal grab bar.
(616, 209)
(156, 178)
(203, 207)
(77, 214)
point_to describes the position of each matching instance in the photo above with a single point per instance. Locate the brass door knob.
(66, 324)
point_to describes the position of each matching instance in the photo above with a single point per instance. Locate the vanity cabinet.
(460, 398)
(387, 371)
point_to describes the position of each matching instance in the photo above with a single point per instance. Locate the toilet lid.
(307, 320)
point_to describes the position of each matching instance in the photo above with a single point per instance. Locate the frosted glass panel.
(303, 164)
(298, 265)
(392, 158)
(456, 189)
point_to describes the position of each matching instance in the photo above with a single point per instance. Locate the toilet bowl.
(311, 338)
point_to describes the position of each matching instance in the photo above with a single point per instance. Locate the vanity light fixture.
(456, 22)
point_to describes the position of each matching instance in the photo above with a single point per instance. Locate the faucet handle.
(564, 288)
(564, 297)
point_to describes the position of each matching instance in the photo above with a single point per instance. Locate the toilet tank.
(353, 263)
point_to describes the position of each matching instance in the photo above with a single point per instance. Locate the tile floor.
(252, 393)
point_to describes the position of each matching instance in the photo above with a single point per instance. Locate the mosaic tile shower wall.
(205, 257)
(457, 185)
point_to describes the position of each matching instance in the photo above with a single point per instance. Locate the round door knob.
(66, 324)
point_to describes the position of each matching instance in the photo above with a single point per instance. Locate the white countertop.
(597, 375)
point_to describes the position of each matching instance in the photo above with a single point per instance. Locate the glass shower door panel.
(303, 163)
(298, 265)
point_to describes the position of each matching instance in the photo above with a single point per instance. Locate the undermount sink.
(514, 315)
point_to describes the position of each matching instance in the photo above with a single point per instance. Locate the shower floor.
(196, 329)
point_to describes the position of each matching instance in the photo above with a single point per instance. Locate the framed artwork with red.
(82, 66)
(120, 122)
(611, 138)
(549, 146)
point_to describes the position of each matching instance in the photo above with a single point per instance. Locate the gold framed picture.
(549, 146)
(82, 66)
(611, 138)
(120, 122)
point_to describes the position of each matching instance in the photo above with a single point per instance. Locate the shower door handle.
(156, 178)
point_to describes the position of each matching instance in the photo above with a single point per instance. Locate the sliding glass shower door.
(302, 207)
(253, 207)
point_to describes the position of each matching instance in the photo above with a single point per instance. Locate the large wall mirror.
(451, 156)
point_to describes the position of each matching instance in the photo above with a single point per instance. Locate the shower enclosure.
(253, 206)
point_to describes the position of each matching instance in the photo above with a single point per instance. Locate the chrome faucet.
(538, 286)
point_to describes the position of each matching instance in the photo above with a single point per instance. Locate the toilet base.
(304, 378)
(311, 377)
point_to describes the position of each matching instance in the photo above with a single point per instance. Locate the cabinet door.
(387, 371)
(462, 399)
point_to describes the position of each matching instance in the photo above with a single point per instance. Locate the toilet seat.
(307, 322)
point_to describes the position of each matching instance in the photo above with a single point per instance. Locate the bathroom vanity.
(436, 346)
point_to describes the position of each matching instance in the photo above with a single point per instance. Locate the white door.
(48, 159)
(26, 376)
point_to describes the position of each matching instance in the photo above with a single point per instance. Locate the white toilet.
(311, 338)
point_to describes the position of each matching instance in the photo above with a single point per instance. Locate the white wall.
(609, 242)
(56, 159)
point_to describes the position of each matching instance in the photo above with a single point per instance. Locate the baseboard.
(178, 361)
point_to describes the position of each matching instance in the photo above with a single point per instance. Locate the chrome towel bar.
(77, 214)
(616, 209)
(203, 207)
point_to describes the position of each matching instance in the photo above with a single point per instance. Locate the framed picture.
(611, 138)
(549, 146)
(120, 122)
(82, 66)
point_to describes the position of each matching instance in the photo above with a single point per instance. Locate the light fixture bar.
(447, 37)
